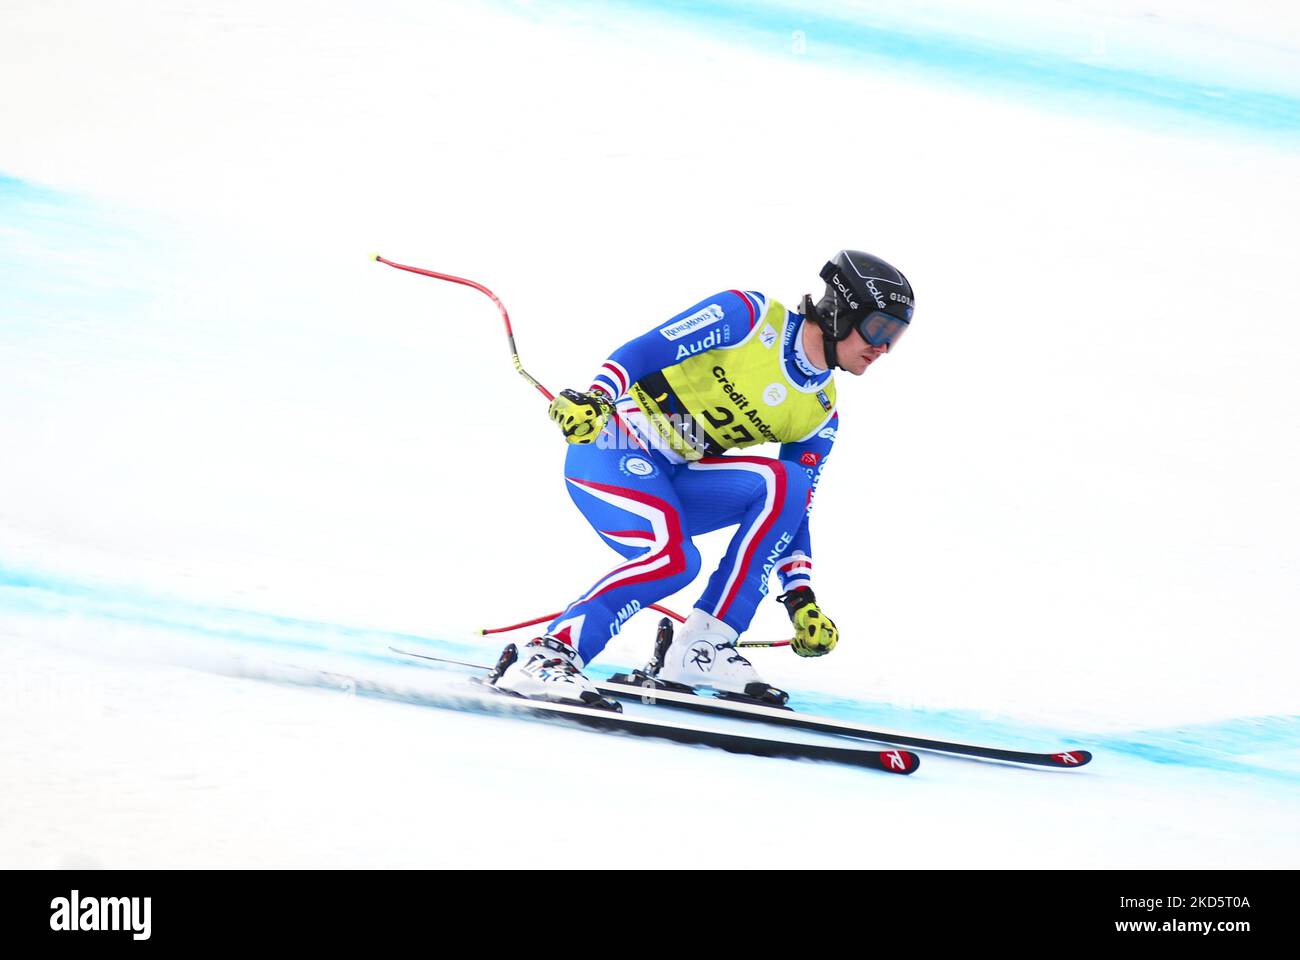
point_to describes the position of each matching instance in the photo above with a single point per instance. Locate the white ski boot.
(548, 669)
(703, 653)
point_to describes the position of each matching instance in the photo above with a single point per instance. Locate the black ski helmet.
(865, 292)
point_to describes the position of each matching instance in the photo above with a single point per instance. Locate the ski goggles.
(881, 329)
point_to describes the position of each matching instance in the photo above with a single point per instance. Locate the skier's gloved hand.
(581, 415)
(815, 634)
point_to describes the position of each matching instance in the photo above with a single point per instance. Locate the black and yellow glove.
(815, 634)
(581, 415)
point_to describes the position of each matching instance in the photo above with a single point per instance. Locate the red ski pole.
(510, 333)
(514, 356)
(547, 618)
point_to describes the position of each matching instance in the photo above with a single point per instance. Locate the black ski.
(654, 694)
(891, 761)
(790, 718)
(479, 697)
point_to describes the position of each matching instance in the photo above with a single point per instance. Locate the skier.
(647, 468)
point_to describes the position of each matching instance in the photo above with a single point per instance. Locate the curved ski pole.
(514, 356)
(510, 333)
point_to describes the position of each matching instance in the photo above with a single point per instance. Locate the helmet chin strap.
(828, 341)
(828, 345)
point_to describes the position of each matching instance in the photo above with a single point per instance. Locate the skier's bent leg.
(774, 495)
(778, 494)
(595, 618)
(629, 499)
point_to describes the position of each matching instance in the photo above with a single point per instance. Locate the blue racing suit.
(729, 372)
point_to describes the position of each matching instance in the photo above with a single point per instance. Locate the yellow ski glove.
(815, 634)
(581, 416)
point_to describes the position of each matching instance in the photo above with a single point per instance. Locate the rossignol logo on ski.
(75, 913)
(701, 318)
(895, 760)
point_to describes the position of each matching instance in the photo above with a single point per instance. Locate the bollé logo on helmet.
(880, 297)
(844, 291)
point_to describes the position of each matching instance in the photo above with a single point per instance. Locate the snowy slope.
(1061, 513)
(149, 733)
